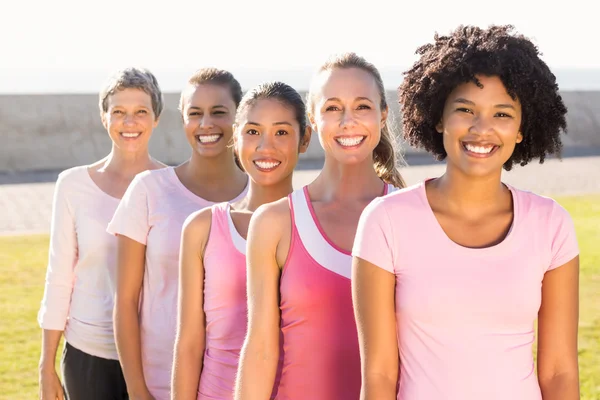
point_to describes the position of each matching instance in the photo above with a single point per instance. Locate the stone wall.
(50, 132)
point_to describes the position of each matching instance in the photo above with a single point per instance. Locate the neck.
(127, 164)
(260, 194)
(212, 170)
(468, 192)
(351, 182)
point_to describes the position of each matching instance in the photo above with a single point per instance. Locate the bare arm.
(558, 371)
(260, 353)
(131, 257)
(373, 294)
(50, 387)
(191, 329)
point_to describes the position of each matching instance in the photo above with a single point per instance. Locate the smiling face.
(129, 119)
(347, 114)
(268, 141)
(480, 127)
(208, 115)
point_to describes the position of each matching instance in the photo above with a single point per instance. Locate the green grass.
(23, 266)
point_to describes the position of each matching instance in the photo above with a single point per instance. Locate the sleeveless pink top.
(224, 305)
(321, 358)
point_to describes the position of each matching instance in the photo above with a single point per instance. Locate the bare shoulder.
(270, 231)
(273, 216)
(197, 225)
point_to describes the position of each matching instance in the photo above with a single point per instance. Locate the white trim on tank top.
(238, 241)
(317, 246)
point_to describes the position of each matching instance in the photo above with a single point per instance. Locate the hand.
(50, 387)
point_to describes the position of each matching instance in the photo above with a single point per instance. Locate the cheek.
(326, 122)
(148, 121)
(291, 148)
(190, 125)
(112, 123)
(454, 124)
(225, 123)
(244, 146)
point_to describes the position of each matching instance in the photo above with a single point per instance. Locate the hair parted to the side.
(386, 156)
(132, 78)
(214, 76)
(469, 51)
(279, 91)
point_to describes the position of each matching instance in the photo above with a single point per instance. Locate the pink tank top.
(321, 358)
(224, 305)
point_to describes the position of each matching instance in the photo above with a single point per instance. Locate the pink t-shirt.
(465, 317)
(152, 212)
(80, 281)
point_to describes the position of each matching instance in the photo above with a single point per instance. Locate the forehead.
(269, 111)
(346, 83)
(493, 91)
(129, 96)
(207, 95)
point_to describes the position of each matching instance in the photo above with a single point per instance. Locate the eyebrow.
(213, 107)
(136, 106)
(276, 123)
(357, 99)
(461, 100)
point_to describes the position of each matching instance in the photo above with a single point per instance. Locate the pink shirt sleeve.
(62, 258)
(131, 218)
(564, 239)
(374, 240)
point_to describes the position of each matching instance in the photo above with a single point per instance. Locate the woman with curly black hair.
(450, 274)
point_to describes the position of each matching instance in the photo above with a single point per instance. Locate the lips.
(266, 165)
(130, 135)
(480, 150)
(350, 141)
(209, 139)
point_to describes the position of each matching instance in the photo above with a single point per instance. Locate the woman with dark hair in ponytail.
(299, 258)
(271, 131)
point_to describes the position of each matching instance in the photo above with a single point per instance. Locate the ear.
(155, 124)
(439, 127)
(519, 137)
(103, 119)
(305, 140)
(384, 115)
(311, 120)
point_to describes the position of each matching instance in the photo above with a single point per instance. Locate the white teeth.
(266, 164)
(350, 141)
(208, 138)
(130, 135)
(479, 149)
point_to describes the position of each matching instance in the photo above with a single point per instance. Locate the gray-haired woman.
(80, 280)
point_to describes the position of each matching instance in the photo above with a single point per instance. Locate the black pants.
(87, 377)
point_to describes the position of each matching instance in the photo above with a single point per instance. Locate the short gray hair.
(133, 78)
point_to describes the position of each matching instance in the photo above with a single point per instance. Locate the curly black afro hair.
(456, 59)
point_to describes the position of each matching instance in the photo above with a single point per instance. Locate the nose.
(482, 125)
(206, 122)
(347, 119)
(266, 142)
(129, 119)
